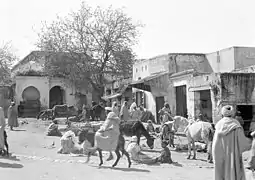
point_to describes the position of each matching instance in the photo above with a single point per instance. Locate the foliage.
(7, 58)
(30, 73)
(96, 45)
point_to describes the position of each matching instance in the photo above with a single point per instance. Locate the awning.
(119, 93)
(144, 84)
(112, 96)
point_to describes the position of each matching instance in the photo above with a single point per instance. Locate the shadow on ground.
(10, 165)
(124, 169)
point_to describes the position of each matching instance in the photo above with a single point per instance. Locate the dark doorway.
(159, 105)
(181, 101)
(56, 96)
(247, 115)
(206, 104)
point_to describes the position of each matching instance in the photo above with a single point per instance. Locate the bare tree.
(97, 43)
(7, 58)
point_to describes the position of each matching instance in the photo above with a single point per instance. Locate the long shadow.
(19, 130)
(123, 169)
(10, 165)
(177, 164)
(10, 157)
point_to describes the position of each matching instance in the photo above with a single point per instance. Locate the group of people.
(125, 113)
(12, 122)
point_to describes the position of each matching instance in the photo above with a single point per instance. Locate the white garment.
(134, 149)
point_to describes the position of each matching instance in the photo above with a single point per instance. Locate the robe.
(106, 138)
(2, 128)
(13, 116)
(228, 145)
(124, 113)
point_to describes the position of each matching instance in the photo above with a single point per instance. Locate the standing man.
(12, 116)
(2, 128)
(229, 143)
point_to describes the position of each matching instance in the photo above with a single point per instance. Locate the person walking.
(12, 116)
(229, 143)
(124, 113)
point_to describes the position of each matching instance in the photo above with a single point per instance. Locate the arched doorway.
(30, 106)
(30, 93)
(57, 95)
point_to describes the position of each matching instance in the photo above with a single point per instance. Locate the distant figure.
(165, 112)
(200, 118)
(134, 113)
(12, 116)
(84, 112)
(239, 118)
(150, 128)
(124, 114)
(115, 108)
(2, 129)
(251, 161)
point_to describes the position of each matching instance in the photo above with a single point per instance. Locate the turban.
(227, 111)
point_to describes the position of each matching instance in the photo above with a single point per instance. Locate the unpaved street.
(34, 157)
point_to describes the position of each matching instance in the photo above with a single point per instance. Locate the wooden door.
(181, 101)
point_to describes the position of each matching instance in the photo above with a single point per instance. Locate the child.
(134, 149)
(165, 156)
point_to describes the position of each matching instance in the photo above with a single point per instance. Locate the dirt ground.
(34, 156)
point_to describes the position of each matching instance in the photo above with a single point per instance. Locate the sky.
(180, 26)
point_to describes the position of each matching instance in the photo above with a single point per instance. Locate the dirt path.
(36, 158)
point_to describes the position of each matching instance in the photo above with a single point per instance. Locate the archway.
(30, 93)
(30, 106)
(56, 96)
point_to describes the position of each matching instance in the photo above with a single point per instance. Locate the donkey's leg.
(118, 157)
(194, 149)
(209, 151)
(100, 156)
(138, 135)
(128, 157)
(110, 156)
(189, 150)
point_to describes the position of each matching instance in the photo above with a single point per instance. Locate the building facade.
(184, 80)
(34, 92)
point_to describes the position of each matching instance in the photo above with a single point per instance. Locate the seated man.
(53, 129)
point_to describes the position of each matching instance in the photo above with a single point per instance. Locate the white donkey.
(195, 131)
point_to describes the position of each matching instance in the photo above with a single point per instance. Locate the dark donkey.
(136, 128)
(90, 136)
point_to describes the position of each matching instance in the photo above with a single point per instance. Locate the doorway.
(247, 115)
(181, 101)
(56, 96)
(160, 101)
(206, 104)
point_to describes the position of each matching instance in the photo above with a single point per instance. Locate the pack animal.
(136, 128)
(64, 110)
(45, 114)
(196, 132)
(120, 147)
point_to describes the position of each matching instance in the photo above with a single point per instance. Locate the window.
(145, 67)
(136, 70)
(142, 68)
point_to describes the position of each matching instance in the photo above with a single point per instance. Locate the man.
(165, 111)
(228, 145)
(2, 128)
